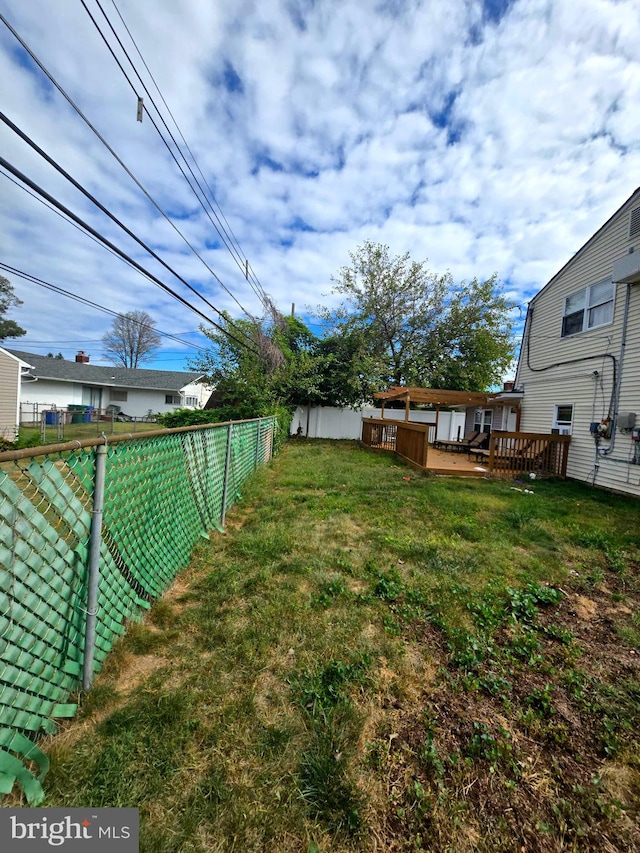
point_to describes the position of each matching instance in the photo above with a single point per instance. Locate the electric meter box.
(626, 420)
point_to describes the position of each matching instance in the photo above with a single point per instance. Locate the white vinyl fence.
(330, 422)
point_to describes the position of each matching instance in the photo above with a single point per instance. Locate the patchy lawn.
(375, 660)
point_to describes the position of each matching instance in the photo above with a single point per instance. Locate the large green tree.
(8, 299)
(257, 367)
(420, 327)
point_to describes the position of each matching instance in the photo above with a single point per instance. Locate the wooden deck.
(455, 463)
(510, 454)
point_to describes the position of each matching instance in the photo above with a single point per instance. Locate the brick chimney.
(508, 386)
(81, 358)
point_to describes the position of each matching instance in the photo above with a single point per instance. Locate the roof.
(61, 370)
(434, 396)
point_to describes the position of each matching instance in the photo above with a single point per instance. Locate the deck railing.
(509, 453)
(409, 440)
(542, 454)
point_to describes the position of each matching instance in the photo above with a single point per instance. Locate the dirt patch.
(137, 670)
(517, 748)
(584, 607)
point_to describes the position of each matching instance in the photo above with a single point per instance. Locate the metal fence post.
(226, 474)
(274, 421)
(94, 566)
(258, 443)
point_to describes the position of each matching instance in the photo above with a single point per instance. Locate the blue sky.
(483, 136)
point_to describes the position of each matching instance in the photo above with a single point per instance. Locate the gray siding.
(585, 384)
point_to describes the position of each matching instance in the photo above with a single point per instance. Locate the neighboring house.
(11, 369)
(60, 383)
(579, 365)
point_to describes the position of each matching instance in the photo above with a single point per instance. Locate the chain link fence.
(91, 532)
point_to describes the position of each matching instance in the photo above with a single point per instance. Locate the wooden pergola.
(435, 397)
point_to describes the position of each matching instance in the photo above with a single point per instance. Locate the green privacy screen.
(162, 493)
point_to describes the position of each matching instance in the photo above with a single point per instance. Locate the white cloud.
(483, 145)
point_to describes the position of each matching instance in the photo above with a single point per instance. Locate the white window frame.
(481, 422)
(563, 425)
(191, 401)
(172, 399)
(590, 302)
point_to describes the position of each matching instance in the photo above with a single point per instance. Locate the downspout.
(616, 397)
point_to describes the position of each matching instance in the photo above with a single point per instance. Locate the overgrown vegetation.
(398, 323)
(370, 660)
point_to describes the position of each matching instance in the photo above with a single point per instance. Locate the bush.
(196, 417)
(187, 417)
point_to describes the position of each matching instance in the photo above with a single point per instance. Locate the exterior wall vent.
(634, 223)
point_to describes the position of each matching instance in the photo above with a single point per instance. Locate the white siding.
(585, 384)
(49, 393)
(198, 390)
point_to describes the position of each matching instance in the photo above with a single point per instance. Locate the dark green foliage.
(8, 299)
(421, 328)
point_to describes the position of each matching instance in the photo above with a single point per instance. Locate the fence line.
(156, 495)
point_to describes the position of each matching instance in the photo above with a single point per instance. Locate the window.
(117, 396)
(563, 419)
(172, 399)
(588, 308)
(482, 420)
(191, 401)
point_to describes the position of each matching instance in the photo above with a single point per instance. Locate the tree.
(420, 328)
(8, 299)
(257, 367)
(132, 339)
(475, 338)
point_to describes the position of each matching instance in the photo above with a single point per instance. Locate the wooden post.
(435, 437)
(406, 407)
(492, 452)
(565, 458)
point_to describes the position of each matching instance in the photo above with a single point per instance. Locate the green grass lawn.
(370, 659)
(72, 432)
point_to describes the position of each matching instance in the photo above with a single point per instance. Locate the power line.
(107, 212)
(62, 292)
(186, 144)
(36, 188)
(243, 268)
(77, 109)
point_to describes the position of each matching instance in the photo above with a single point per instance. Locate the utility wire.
(168, 147)
(71, 222)
(244, 267)
(228, 229)
(106, 211)
(62, 292)
(77, 109)
(36, 188)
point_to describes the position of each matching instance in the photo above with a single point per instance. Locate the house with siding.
(579, 364)
(11, 371)
(52, 383)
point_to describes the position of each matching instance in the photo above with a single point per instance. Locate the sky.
(482, 136)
